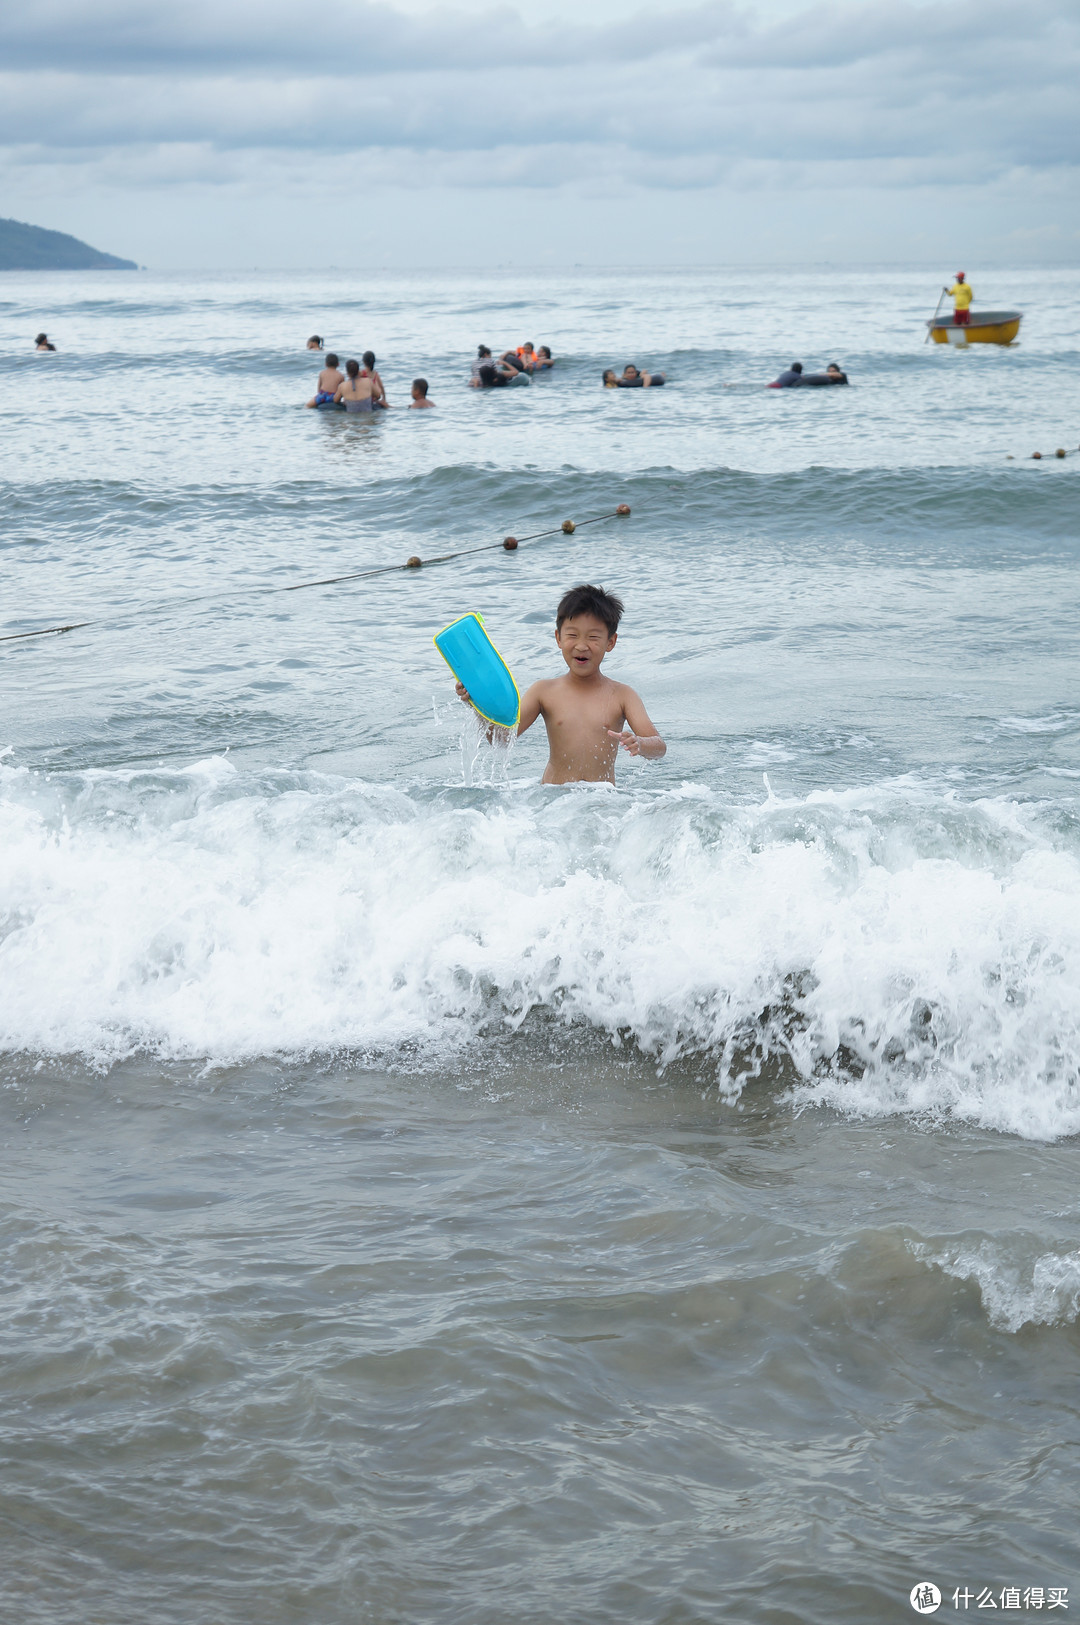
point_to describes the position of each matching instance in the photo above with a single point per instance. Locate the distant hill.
(31, 248)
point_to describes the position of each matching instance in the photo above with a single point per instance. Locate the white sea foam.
(898, 951)
(1043, 1291)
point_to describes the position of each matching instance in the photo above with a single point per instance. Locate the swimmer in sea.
(329, 382)
(379, 393)
(632, 379)
(42, 343)
(589, 718)
(419, 395)
(833, 371)
(483, 359)
(355, 394)
(788, 379)
(314, 342)
(488, 376)
(543, 358)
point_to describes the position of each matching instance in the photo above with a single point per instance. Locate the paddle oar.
(933, 319)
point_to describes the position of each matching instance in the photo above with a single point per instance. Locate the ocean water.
(429, 1196)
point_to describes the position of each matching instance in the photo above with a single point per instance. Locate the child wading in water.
(585, 712)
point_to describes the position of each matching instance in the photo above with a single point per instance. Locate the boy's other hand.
(629, 741)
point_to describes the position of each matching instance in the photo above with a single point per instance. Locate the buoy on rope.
(568, 527)
(1060, 452)
(510, 544)
(414, 563)
(623, 508)
(1036, 456)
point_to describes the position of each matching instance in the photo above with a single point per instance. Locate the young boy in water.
(587, 715)
(330, 381)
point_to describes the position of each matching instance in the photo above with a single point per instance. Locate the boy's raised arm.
(530, 709)
(642, 739)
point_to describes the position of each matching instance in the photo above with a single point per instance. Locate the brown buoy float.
(510, 543)
(568, 527)
(1036, 456)
(414, 563)
(623, 508)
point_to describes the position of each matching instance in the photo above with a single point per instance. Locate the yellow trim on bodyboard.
(506, 726)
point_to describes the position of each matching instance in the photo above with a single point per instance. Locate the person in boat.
(788, 379)
(961, 295)
(356, 394)
(314, 342)
(329, 382)
(419, 395)
(368, 371)
(42, 343)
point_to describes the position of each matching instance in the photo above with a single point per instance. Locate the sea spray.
(891, 950)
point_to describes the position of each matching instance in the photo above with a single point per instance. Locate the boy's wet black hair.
(331, 360)
(369, 359)
(422, 385)
(586, 600)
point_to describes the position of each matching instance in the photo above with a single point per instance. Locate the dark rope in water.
(567, 528)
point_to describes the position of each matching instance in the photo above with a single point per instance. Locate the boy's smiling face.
(583, 642)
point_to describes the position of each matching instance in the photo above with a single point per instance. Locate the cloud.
(356, 95)
(875, 81)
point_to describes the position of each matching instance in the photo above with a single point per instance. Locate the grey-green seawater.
(430, 1197)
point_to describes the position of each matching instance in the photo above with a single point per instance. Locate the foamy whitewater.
(434, 1196)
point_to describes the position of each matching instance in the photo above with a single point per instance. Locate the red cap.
(960, 275)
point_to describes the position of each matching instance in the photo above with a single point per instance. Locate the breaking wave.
(889, 950)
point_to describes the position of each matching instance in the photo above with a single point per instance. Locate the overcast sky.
(276, 133)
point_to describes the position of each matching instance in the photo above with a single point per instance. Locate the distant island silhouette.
(32, 248)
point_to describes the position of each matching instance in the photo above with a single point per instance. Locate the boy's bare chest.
(567, 712)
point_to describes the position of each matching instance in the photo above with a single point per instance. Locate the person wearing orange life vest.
(961, 296)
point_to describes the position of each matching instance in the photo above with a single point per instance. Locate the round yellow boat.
(984, 327)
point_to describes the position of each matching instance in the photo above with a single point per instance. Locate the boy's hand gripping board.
(481, 669)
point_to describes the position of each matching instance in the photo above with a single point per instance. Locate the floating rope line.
(509, 544)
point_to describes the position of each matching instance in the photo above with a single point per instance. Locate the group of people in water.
(511, 367)
(360, 389)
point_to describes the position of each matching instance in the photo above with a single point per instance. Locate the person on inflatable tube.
(632, 379)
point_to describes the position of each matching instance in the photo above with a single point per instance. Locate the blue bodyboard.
(475, 662)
